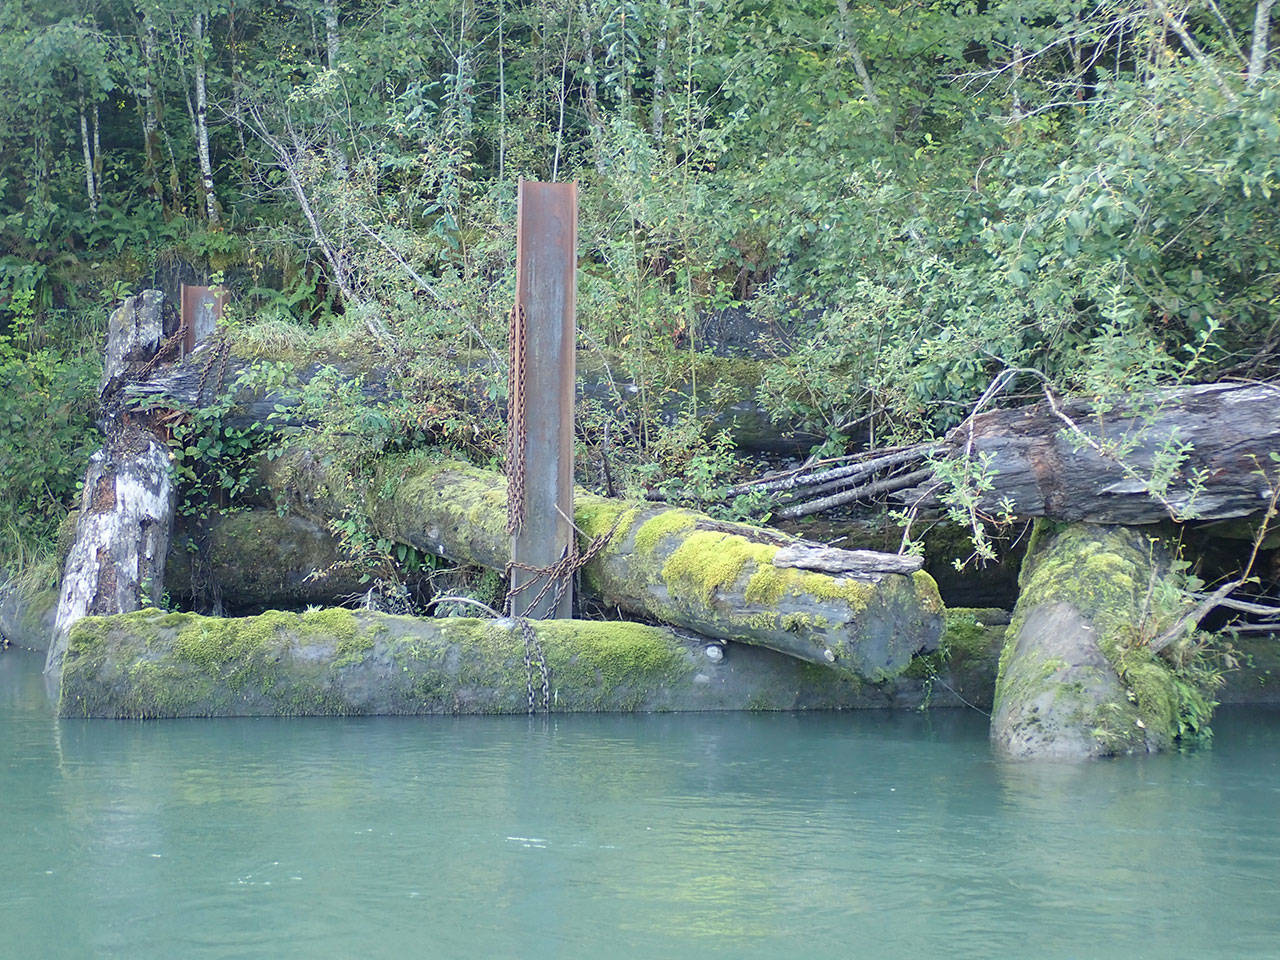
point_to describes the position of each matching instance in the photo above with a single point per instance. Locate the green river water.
(680, 836)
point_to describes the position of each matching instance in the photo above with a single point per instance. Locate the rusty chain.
(557, 576)
(516, 424)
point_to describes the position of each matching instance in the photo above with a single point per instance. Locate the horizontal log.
(728, 402)
(257, 560)
(1199, 452)
(672, 565)
(340, 662)
(155, 664)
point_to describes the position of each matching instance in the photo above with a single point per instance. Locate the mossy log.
(27, 613)
(341, 662)
(258, 560)
(725, 580)
(727, 398)
(1076, 678)
(1201, 451)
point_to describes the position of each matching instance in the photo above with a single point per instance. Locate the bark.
(659, 70)
(1075, 682)
(90, 187)
(116, 563)
(1199, 452)
(1261, 36)
(202, 119)
(856, 611)
(340, 662)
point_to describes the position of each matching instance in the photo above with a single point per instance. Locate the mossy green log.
(661, 563)
(339, 662)
(1076, 677)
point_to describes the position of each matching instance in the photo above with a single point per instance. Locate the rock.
(27, 614)
(1077, 679)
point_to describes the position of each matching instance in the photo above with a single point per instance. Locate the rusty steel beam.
(201, 311)
(546, 260)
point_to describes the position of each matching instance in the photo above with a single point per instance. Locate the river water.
(875, 835)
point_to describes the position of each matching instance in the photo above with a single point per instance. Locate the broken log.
(860, 612)
(1200, 452)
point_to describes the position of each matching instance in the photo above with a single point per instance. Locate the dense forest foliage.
(911, 197)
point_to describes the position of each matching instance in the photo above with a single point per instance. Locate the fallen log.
(1200, 452)
(860, 612)
(339, 662)
(728, 403)
(259, 560)
(1078, 678)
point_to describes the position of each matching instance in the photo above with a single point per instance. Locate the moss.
(596, 516)
(708, 560)
(1104, 573)
(665, 524)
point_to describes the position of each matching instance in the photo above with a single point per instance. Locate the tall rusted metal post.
(200, 313)
(540, 414)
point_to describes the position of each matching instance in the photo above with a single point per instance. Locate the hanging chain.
(555, 577)
(516, 423)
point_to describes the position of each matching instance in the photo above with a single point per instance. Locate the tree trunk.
(202, 120)
(150, 115)
(331, 33)
(860, 68)
(867, 616)
(90, 187)
(116, 563)
(659, 70)
(1261, 37)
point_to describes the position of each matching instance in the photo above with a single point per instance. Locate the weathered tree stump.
(116, 563)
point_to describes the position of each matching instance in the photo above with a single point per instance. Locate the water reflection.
(886, 835)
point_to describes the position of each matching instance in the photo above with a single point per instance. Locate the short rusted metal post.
(201, 311)
(546, 260)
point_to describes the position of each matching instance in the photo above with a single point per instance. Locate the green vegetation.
(910, 199)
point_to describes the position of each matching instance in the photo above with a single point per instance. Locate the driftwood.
(342, 662)
(858, 612)
(189, 385)
(1198, 452)
(116, 563)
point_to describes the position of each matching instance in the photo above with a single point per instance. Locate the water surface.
(878, 835)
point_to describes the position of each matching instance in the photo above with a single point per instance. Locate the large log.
(1076, 678)
(727, 399)
(339, 662)
(1199, 452)
(259, 560)
(859, 612)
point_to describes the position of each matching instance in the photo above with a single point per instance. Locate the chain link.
(516, 423)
